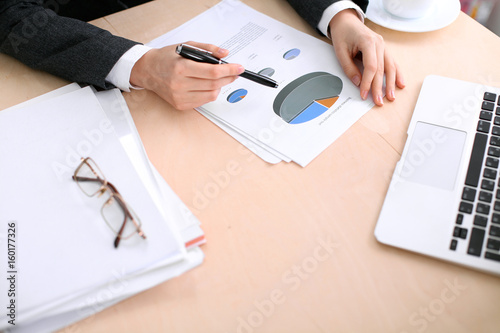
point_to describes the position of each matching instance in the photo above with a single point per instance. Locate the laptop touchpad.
(434, 156)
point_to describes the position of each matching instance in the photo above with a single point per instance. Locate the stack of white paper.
(314, 104)
(64, 266)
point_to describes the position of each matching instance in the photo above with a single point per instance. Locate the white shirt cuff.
(119, 75)
(333, 10)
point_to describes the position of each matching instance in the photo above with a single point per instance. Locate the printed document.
(315, 101)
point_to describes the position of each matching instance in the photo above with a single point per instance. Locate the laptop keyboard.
(481, 193)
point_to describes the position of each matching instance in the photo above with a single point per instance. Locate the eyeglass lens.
(89, 177)
(115, 216)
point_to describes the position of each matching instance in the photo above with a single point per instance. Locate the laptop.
(444, 196)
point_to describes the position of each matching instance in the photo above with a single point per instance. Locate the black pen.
(201, 55)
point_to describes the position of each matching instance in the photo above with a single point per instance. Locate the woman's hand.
(183, 83)
(349, 37)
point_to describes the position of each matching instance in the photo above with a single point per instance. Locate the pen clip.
(191, 47)
(197, 54)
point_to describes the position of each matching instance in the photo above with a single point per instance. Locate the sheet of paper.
(116, 290)
(116, 110)
(176, 213)
(65, 245)
(315, 102)
(51, 94)
(267, 154)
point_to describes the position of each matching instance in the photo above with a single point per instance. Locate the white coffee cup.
(408, 9)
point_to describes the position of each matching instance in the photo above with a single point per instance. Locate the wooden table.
(291, 249)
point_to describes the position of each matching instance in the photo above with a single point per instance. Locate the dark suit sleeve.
(72, 49)
(312, 10)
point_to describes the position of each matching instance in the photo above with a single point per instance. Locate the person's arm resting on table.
(80, 52)
(342, 21)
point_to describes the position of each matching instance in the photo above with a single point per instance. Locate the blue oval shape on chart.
(291, 54)
(237, 95)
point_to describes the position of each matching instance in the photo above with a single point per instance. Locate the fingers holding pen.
(200, 76)
(204, 71)
(196, 84)
(207, 70)
(193, 76)
(182, 82)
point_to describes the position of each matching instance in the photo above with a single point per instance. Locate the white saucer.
(443, 14)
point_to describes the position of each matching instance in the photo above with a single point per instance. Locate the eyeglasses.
(115, 211)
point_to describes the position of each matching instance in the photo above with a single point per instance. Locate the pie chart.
(267, 72)
(307, 97)
(237, 95)
(291, 54)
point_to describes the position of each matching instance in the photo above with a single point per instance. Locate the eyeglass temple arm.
(87, 179)
(102, 181)
(120, 202)
(127, 215)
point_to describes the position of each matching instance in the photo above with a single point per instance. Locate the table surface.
(292, 249)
